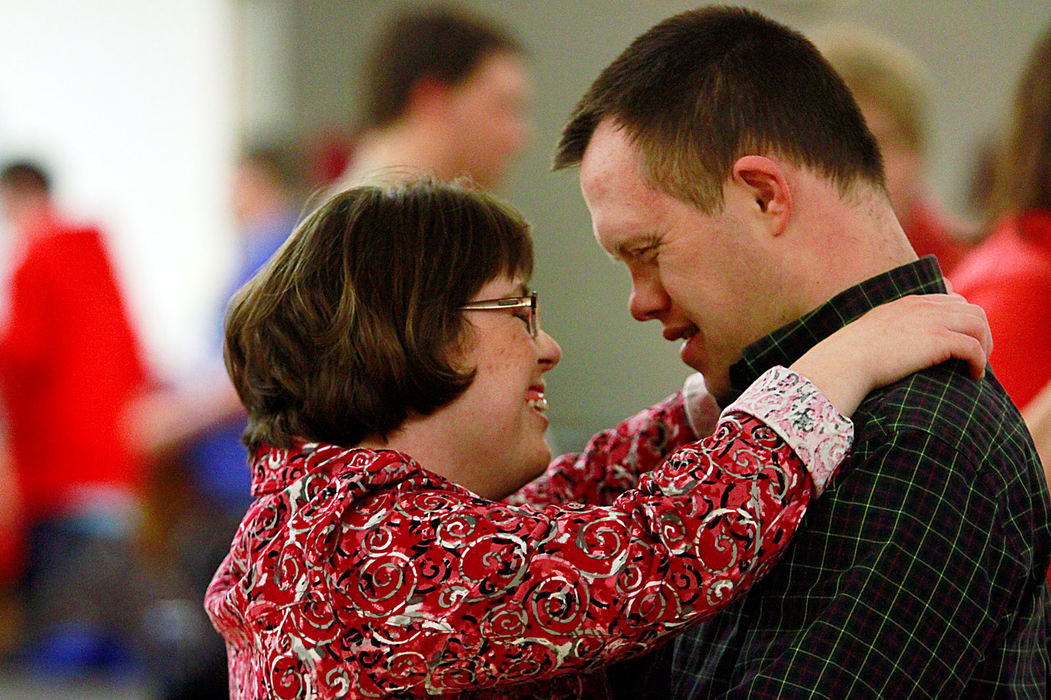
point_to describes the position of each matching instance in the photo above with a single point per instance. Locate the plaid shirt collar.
(787, 344)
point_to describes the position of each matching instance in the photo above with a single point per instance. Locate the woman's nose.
(550, 352)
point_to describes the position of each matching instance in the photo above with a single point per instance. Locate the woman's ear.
(764, 182)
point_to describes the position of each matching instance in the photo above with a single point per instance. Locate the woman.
(392, 366)
(1009, 274)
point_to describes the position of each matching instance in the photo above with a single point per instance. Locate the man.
(726, 164)
(445, 93)
(890, 86)
(70, 364)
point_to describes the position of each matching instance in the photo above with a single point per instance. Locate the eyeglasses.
(531, 303)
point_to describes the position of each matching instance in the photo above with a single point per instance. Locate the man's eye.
(523, 316)
(645, 255)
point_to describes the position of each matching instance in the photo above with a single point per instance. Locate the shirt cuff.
(803, 417)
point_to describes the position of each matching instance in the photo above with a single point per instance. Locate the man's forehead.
(610, 146)
(609, 168)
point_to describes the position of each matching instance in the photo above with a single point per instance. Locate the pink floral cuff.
(797, 410)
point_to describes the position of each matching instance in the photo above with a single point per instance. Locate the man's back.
(920, 571)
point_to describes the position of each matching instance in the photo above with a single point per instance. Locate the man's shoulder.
(974, 420)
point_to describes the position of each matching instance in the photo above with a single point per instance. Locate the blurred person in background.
(1009, 274)
(890, 85)
(445, 93)
(193, 432)
(70, 363)
(201, 422)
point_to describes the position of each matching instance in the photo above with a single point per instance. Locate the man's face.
(700, 275)
(489, 117)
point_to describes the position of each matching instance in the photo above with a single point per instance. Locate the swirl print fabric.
(358, 573)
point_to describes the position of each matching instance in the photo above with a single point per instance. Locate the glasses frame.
(530, 301)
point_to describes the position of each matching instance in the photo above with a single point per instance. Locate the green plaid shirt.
(922, 571)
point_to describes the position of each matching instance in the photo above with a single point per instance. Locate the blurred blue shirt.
(218, 460)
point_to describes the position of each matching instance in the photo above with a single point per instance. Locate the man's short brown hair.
(703, 88)
(354, 324)
(442, 43)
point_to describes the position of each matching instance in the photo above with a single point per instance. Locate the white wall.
(131, 104)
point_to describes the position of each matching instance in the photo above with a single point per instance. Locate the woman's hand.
(894, 340)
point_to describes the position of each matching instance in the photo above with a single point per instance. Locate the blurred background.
(140, 110)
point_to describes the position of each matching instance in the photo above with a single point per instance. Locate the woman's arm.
(372, 575)
(886, 344)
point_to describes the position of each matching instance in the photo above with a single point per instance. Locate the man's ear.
(765, 183)
(427, 96)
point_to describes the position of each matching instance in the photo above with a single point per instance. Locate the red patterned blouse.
(358, 573)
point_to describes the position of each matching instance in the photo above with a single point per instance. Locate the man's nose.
(648, 299)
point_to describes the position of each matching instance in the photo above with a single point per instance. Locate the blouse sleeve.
(614, 459)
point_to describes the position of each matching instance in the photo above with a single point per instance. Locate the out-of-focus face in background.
(7, 210)
(489, 117)
(902, 161)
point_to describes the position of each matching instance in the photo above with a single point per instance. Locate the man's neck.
(785, 345)
(403, 149)
(845, 241)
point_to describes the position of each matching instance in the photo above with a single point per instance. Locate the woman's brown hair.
(352, 326)
(1022, 178)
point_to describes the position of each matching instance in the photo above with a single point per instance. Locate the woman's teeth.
(539, 403)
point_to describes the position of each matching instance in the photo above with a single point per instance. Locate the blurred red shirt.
(69, 363)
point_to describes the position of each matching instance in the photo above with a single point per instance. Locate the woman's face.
(500, 419)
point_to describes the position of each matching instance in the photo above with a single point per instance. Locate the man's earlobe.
(428, 96)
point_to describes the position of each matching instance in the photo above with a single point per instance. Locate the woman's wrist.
(797, 410)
